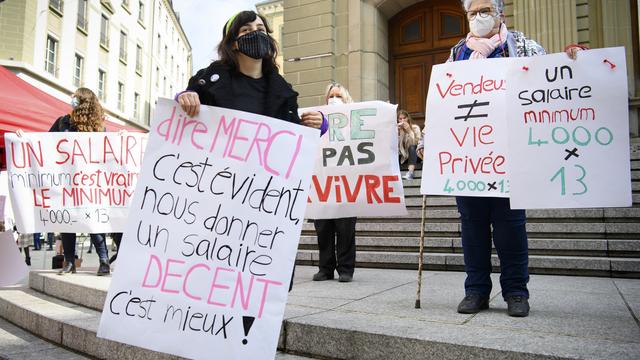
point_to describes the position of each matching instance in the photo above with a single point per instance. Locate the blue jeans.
(478, 215)
(36, 241)
(98, 240)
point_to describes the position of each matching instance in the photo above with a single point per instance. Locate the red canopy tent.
(23, 106)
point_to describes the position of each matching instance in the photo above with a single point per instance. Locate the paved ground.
(572, 317)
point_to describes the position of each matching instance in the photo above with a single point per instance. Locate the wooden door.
(421, 36)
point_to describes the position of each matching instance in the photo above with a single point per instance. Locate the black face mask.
(256, 45)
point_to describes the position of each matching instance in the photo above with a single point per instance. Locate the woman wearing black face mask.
(246, 76)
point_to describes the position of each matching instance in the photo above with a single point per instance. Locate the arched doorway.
(420, 36)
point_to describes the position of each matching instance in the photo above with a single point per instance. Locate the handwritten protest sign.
(569, 131)
(356, 169)
(208, 253)
(73, 182)
(12, 265)
(465, 149)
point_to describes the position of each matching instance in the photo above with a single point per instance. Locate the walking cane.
(424, 207)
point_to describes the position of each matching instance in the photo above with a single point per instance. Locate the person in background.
(23, 244)
(36, 242)
(408, 138)
(117, 239)
(336, 237)
(50, 241)
(87, 115)
(485, 217)
(246, 77)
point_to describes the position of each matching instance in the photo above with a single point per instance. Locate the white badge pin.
(215, 77)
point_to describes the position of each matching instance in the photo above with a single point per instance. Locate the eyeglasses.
(484, 13)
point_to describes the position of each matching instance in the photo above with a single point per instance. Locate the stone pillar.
(368, 55)
(552, 23)
(309, 27)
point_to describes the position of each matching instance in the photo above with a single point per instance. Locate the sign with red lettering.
(465, 150)
(356, 169)
(208, 253)
(73, 182)
(569, 131)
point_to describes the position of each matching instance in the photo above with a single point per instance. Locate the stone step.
(18, 344)
(72, 324)
(374, 318)
(538, 264)
(611, 214)
(561, 246)
(594, 230)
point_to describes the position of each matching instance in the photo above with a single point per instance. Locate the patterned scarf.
(483, 47)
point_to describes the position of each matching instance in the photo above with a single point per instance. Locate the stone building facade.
(128, 52)
(384, 49)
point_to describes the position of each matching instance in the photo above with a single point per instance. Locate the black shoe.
(473, 303)
(69, 268)
(517, 306)
(27, 260)
(345, 278)
(320, 276)
(103, 269)
(89, 252)
(35, 249)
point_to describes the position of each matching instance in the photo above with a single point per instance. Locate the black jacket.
(213, 85)
(62, 124)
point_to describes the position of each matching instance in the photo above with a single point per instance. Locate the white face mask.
(335, 101)
(482, 27)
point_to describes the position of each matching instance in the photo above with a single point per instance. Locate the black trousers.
(337, 244)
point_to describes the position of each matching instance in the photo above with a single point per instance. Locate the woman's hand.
(19, 133)
(312, 119)
(573, 50)
(420, 153)
(189, 102)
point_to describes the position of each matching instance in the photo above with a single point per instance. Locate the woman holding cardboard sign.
(246, 77)
(336, 237)
(87, 115)
(484, 218)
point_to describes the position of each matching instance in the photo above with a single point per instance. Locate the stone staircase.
(585, 242)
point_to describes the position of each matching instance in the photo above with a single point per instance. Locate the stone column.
(552, 23)
(309, 32)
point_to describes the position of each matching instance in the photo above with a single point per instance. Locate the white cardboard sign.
(208, 252)
(356, 167)
(73, 182)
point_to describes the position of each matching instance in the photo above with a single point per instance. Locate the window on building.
(125, 4)
(56, 5)
(123, 46)
(166, 51)
(171, 94)
(139, 59)
(51, 56)
(102, 84)
(136, 106)
(159, 44)
(120, 96)
(104, 32)
(82, 23)
(78, 70)
(141, 11)
(157, 76)
(164, 85)
(171, 65)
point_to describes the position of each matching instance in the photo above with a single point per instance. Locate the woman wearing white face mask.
(479, 216)
(490, 38)
(336, 237)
